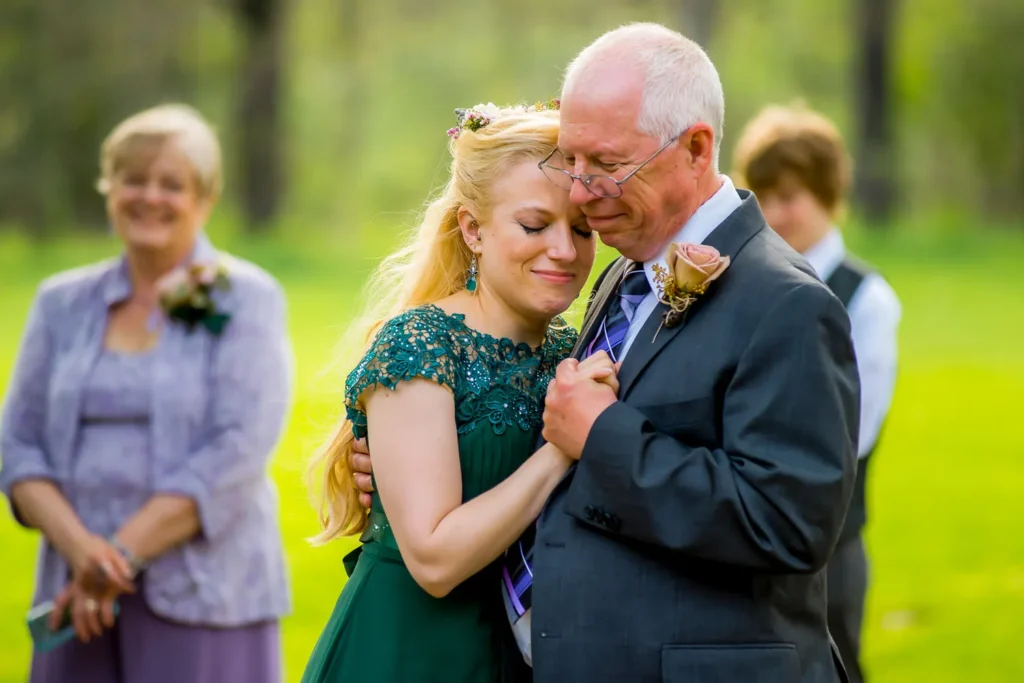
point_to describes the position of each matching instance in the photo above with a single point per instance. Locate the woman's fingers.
(79, 618)
(107, 613)
(60, 606)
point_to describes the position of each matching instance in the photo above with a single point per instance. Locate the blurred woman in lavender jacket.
(147, 398)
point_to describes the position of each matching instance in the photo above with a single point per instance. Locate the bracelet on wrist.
(134, 562)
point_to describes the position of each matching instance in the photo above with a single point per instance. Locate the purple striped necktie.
(611, 335)
(517, 569)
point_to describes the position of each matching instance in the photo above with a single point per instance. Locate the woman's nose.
(562, 247)
(152, 192)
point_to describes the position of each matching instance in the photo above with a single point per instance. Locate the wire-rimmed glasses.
(600, 185)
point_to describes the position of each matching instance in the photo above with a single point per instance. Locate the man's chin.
(616, 239)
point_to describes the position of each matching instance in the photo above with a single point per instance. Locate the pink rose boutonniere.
(186, 295)
(693, 267)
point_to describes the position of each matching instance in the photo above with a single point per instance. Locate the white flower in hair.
(490, 110)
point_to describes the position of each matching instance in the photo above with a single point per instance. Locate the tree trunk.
(351, 141)
(697, 19)
(351, 48)
(259, 114)
(874, 189)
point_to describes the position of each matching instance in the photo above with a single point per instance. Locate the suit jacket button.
(589, 512)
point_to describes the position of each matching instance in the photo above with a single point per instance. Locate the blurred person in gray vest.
(795, 162)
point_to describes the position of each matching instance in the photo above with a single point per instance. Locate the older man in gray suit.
(687, 545)
(688, 542)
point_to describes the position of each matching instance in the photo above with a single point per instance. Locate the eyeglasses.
(603, 186)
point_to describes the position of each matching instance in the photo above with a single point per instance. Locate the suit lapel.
(599, 306)
(728, 238)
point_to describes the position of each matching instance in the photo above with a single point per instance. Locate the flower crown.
(477, 117)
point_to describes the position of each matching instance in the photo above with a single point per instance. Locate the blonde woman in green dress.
(449, 393)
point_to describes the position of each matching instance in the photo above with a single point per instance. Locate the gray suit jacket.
(687, 546)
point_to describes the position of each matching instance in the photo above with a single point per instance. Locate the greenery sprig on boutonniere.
(693, 267)
(187, 296)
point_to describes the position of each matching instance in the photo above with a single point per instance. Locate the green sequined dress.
(385, 628)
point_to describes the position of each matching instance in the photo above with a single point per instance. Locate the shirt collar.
(702, 223)
(826, 254)
(119, 285)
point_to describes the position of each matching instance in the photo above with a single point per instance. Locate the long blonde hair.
(429, 267)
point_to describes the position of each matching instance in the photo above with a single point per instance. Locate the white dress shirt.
(702, 223)
(874, 314)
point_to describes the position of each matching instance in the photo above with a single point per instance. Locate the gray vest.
(844, 282)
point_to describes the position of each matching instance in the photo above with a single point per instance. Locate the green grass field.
(947, 514)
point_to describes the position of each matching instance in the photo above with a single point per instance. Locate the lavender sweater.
(218, 408)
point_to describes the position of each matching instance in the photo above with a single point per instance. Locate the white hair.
(681, 85)
(194, 137)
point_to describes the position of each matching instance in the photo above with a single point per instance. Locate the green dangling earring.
(471, 280)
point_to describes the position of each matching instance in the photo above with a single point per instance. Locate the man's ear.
(699, 141)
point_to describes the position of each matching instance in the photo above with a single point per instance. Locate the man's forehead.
(607, 77)
(600, 115)
(591, 140)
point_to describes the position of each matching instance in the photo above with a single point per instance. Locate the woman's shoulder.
(67, 289)
(248, 280)
(253, 297)
(248, 274)
(427, 324)
(417, 343)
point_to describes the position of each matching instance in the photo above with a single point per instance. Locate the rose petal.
(700, 255)
(722, 265)
(695, 265)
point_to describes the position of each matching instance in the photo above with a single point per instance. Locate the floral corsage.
(693, 267)
(187, 295)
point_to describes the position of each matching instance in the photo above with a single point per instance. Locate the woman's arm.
(94, 561)
(28, 477)
(416, 463)
(163, 523)
(41, 505)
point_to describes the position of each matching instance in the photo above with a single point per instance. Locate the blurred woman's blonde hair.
(148, 131)
(429, 267)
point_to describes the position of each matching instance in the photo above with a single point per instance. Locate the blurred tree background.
(333, 112)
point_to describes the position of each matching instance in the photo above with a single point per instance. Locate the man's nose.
(579, 194)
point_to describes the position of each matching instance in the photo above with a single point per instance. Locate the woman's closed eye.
(532, 229)
(583, 230)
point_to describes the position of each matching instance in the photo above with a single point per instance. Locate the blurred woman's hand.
(90, 614)
(99, 568)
